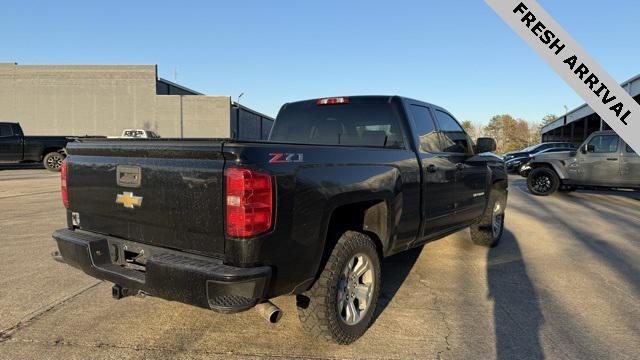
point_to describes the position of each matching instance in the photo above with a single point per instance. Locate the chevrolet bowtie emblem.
(128, 200)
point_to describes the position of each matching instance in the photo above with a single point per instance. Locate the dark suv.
(515, 159)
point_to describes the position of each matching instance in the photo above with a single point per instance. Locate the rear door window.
(360, 123)
(630, 150)
(5, 130)
(455, 138)
(425, 128)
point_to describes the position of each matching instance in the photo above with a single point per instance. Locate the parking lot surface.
(564, 283)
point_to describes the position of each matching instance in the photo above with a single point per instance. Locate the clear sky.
(457, 54)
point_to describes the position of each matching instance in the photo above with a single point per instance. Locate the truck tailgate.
(165, 192)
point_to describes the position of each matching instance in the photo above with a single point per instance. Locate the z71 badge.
(277, 158)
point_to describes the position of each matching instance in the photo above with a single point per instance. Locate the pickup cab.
(227, 225)
(137, 134)
(16, 147)
(603, 160)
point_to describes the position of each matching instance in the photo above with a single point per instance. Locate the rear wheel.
(339, 306)
(489, 230)
(53, 161)
(543, 181)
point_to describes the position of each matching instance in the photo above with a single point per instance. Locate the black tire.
(318, 308)
(488, 231)
(543, 181)
(53, 161)
(522, 172)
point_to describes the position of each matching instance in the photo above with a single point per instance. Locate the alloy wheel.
(497, 218)
(54, 162)
(355, 289)
(542, 183)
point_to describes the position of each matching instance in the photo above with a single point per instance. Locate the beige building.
(106, 99)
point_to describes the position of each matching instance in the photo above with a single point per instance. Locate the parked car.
(536, 148)
(227, 224)
(603, 160)
(16, 147)
(522, 164)
(137, 134)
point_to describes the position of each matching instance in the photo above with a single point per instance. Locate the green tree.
(470, 128)
(546, 120)
(510, 133)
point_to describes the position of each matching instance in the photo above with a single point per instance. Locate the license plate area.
(129, 255)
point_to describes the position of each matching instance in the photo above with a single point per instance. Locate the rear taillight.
(333, 101)
(63, 184)
(248, 201)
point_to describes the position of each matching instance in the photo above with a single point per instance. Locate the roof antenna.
(239, 96)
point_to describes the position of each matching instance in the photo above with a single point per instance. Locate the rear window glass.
(556, 150)
(5, 130)
(355, 124)
(630, 150)
(133, 133)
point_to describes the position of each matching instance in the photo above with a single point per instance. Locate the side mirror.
(591, 148)
(583, 149)
(484, 144)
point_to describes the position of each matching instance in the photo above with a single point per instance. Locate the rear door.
(438, 173)
(10, 144)
(471, 171)
(630, 167)
(600, 163)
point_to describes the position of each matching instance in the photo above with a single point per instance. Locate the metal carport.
(580, 122)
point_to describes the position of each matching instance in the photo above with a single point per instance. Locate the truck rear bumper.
(191, 279)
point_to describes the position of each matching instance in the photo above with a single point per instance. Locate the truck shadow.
(14, 166)
(615, 257)
(516, 310)
(395, 270)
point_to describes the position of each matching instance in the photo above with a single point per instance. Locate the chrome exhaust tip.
(269, 311)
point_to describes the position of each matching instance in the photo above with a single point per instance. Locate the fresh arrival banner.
(535, 26)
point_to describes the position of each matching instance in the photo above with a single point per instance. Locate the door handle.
(432, 168)
(460, 166)
(612, 159)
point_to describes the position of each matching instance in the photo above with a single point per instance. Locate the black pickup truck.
(16, 147)
(227, 225)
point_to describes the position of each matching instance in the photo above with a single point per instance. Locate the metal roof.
(632, 86)
(179, 86)
(233, 103)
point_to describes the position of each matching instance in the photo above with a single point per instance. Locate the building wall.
(104, 100)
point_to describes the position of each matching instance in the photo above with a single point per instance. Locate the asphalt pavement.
(564, 283)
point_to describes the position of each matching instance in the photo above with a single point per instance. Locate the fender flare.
(560, 171)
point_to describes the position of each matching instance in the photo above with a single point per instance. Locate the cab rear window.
(353, 124)
(5, 130)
